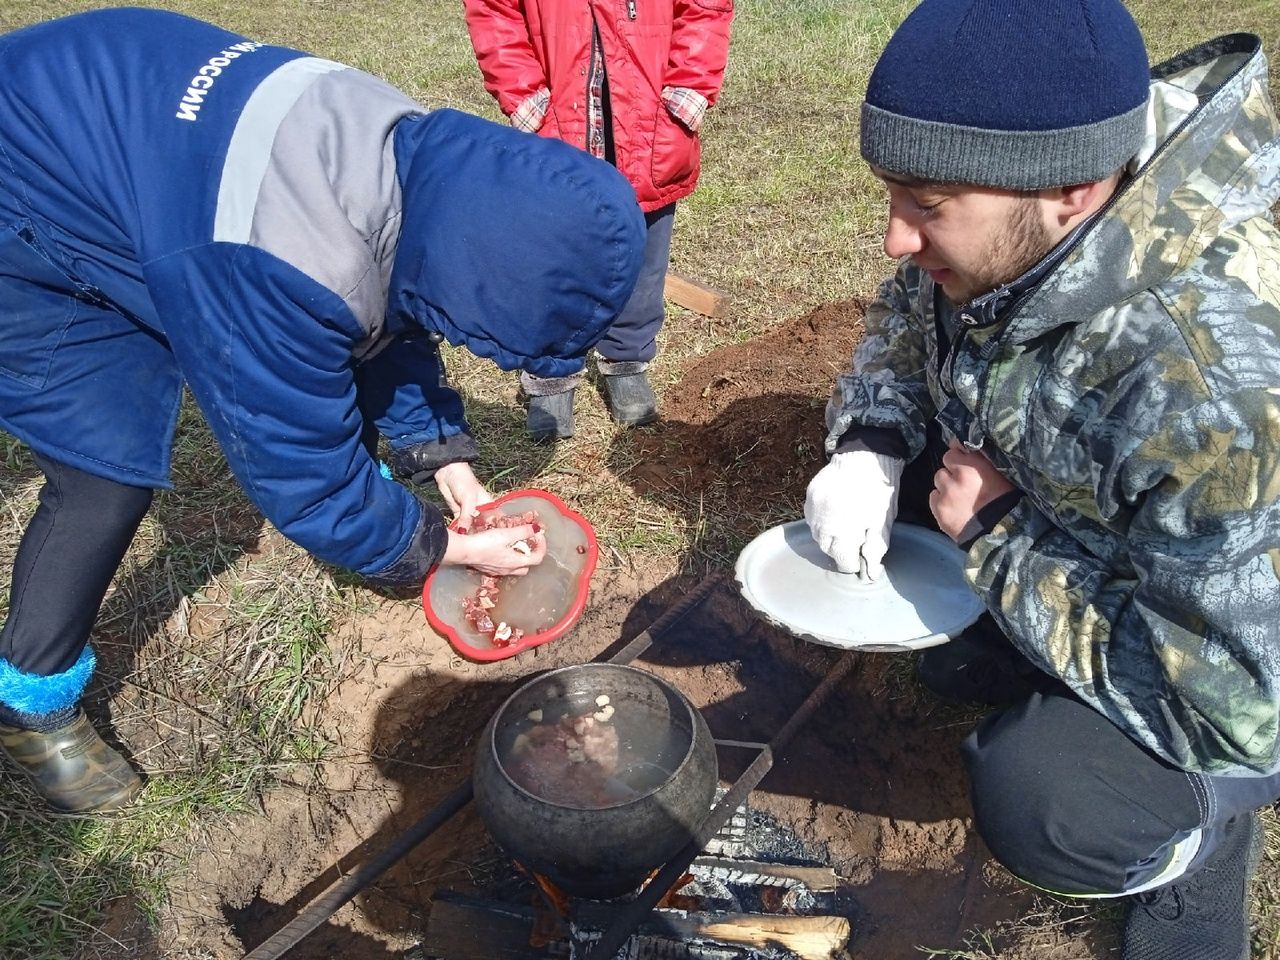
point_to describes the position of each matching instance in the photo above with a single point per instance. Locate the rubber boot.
(1204, 916)
(631, 399)
(72, 767)
(550, 417)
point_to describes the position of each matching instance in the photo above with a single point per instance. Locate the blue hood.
(522, 249)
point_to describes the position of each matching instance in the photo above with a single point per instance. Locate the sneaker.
(980, 666)
(550, 417)
(631, 399)
(1204, 916)
(72, 767)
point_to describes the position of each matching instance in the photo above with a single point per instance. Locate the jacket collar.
(1209, 167)
(996, 305)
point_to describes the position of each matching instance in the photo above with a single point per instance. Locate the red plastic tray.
(565, 575)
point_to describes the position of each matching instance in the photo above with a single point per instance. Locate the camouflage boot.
(71, 767)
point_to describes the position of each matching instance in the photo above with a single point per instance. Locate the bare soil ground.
(874, 780)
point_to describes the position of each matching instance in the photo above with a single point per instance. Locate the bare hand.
(462, 492)
(500, 552)
(966, 483)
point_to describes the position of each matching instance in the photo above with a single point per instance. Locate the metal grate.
(753, 869)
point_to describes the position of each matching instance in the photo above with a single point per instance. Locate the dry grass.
(217, 633)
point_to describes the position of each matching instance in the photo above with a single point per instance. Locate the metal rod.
(633, 914)
(644, 640)
(742, 744)
(332, 900)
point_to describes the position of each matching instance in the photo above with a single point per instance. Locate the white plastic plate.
(921, 599)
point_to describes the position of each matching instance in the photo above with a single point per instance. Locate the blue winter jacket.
(289, 237)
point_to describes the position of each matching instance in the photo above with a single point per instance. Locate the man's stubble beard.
(1019, 246)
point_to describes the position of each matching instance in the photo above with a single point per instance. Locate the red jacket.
(526, 45)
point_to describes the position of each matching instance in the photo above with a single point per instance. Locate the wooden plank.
(696, 296)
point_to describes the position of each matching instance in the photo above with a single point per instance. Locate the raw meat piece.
(497, 520)
(477, 606)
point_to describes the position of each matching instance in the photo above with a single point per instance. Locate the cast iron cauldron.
(595, 829)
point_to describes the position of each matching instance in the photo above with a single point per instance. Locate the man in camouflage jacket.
(1110, 411)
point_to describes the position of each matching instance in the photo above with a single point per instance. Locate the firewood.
(814, 879)
(809, 938)
(465, 928)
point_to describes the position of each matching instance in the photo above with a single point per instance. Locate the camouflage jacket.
(1133, 395)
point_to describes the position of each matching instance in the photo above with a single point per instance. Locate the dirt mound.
(749, 417)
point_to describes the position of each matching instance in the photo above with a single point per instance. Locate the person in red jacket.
(629, 81)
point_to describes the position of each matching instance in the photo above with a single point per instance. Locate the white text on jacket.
(202, 82)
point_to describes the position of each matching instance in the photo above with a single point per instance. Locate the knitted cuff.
(548, 386)
(32, 693)
(620, 368)
(884, 440)
(985, 520)
(37, 722)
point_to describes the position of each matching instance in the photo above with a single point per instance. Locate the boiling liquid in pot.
(571, 757)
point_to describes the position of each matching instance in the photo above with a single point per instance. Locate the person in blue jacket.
(291, 239)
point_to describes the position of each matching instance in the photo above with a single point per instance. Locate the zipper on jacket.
(631, 9)
(949, 364)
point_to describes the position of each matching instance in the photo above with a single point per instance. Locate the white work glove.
(850, 506)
